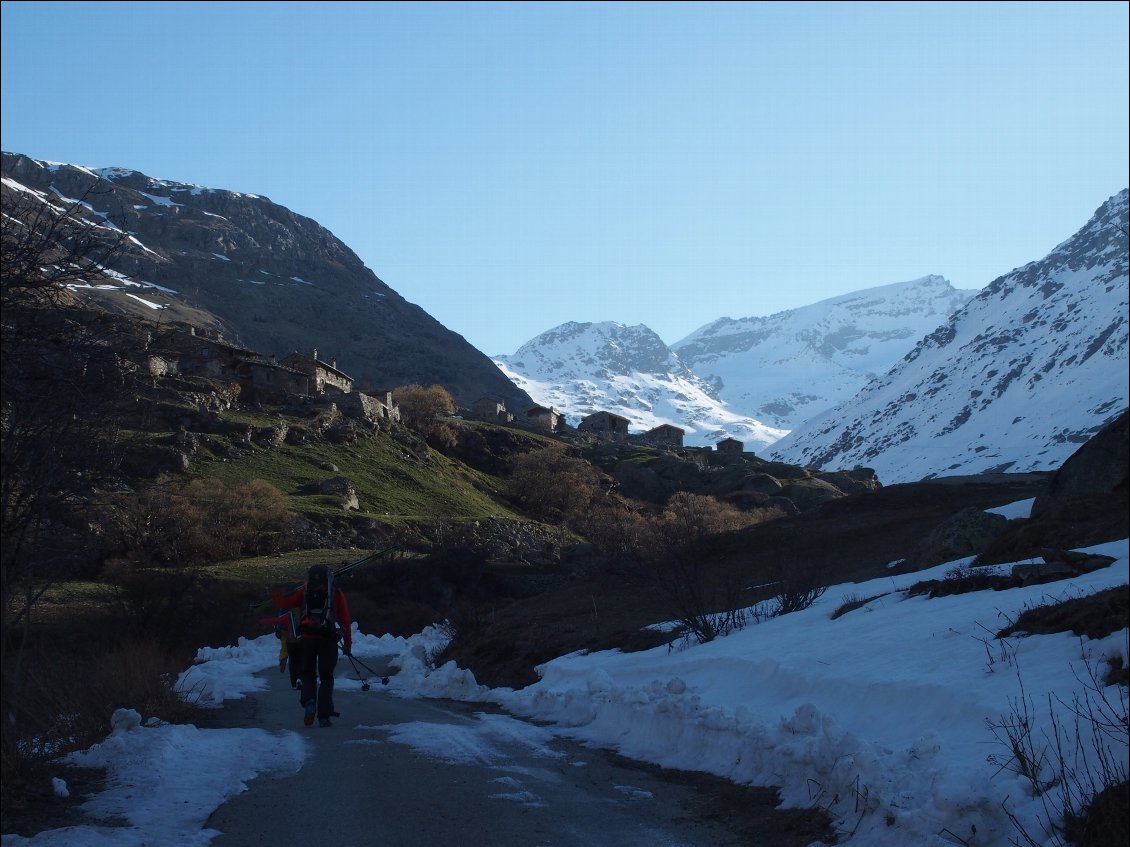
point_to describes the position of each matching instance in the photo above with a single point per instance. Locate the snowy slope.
(786, 368)
(1015, 381)
(752, 379)
(581, 368)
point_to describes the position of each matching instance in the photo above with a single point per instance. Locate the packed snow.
(889, 716)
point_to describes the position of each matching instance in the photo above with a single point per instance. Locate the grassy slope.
(394, 485)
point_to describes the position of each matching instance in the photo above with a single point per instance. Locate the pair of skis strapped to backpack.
(344, 570)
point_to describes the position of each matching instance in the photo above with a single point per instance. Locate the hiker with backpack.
(322, 611)
(290, 646)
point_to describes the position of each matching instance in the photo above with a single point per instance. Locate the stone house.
(325, 378)
(370, 405)
(730, 445)
(664, 435)
(542, 417)
(270, 380)
(205, 353)
(491, 408)
(605, 424)
(210, 356)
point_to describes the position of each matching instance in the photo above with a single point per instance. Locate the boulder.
(966, 533)
(808, 492)
(1060, 564)
(1101, 466)
(341, 487)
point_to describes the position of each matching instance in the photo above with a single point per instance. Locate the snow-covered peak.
(785, 368)
(1025, 372)
(608, 345)
(581, 368)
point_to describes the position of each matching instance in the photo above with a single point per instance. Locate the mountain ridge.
(832, 383)
(1029, 369)
(269, 278)
(817, 363)
(845, 342)
(581, 368)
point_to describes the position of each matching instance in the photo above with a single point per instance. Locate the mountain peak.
(1020, 376)
(785, 368)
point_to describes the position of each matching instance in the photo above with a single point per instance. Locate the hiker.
(290, 646)
(322, 609)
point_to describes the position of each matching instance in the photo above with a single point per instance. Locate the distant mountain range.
(752, 379)
(914, 379)
(581, 368)
(787, 367)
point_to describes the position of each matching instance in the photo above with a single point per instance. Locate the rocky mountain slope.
(271, 280)
(1027, 371)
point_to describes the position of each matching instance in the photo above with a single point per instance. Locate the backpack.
(317, 611)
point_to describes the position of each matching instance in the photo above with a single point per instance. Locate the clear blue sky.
(510, 167)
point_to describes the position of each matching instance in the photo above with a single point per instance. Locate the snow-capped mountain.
(786, 368)
(750, 379)
(581, 368)
(1030, 368)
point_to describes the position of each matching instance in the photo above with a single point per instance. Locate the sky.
(801, 700)
(510, 167)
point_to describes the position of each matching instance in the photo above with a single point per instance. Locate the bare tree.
(62, 371)
(706, 602)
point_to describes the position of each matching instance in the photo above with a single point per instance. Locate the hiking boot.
(325, 722)
(310, 709)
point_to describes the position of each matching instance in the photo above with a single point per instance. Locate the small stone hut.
(544, 417)
(664, 435)
(605, 424)
(491, 408)
(325, 378)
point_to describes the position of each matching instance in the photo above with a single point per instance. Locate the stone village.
(189, 350)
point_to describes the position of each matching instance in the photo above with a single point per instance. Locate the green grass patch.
(393, 485)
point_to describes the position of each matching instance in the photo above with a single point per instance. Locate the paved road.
(362, 784)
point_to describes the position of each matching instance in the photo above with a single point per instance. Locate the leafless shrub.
(852, 602)
(1081, 756)
(555, 486)
(706, 602)
(428, 411)
(798, 590)
(1027, 756)
(65, 372)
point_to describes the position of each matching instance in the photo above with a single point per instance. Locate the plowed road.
(399, 772)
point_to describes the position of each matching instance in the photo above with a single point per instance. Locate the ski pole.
(360, 676)
(384, 679)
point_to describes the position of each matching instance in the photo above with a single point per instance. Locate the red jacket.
(297, 599)
(288, 621)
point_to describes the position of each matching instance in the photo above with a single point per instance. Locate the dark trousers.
(319, 658)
